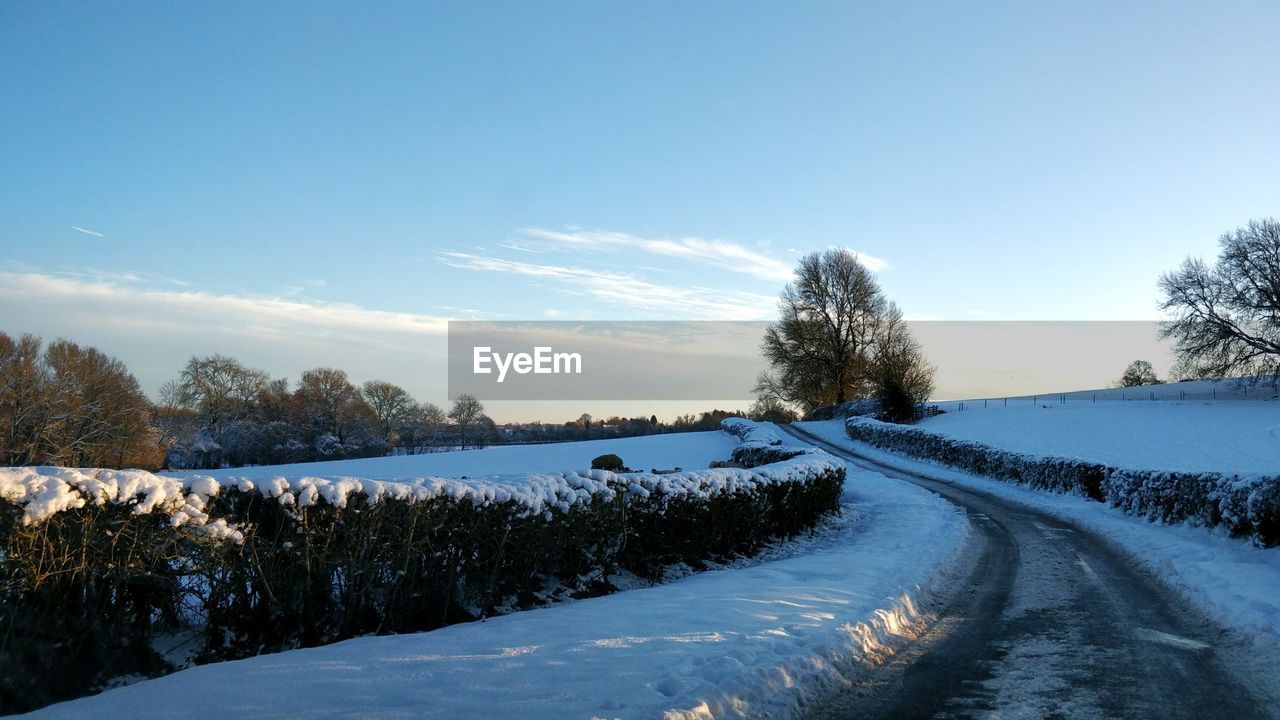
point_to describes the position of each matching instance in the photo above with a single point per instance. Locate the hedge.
(760, 444)
(97, 562)
(1244, 505)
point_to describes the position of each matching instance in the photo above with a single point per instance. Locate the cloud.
(872, 263)
(627, 290)
(154, 329)
(720, 253)
(162, 304)
(87, 231)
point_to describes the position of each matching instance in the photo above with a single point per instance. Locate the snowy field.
(760, 640)
(1236, 584)
(1225, 435)
(690, 451)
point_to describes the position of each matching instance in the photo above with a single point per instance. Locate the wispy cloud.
(155, 328)
(723, 254)
(151, 304)
(87, 231)
(627, 290)
(873, 263)
(719, 253)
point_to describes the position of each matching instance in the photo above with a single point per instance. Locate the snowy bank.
(1231, 436)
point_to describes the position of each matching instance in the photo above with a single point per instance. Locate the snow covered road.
(1052, 622)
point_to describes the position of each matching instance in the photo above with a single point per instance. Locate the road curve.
(1049, 622)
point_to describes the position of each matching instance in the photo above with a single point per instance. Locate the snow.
(1235, 583)
(689, 451)
(1233, 436)
(751, 432)
(763, 640)
(44, 491)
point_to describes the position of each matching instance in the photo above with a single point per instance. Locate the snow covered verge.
(1243, 505)
(763, 641)
(1234, 582)
(109, 557)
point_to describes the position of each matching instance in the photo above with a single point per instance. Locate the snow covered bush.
(94, 562)
(608, 462)
(1247, 506)
(761, 444)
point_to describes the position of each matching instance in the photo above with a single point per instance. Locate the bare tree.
(466, 414)
(1226, 318)
(98, 415)
(392, 405)
(837, 338)
(425, 419)
(220, 390)
(901, 376)
(23, 410)
(72, 405)
(1138, 373)
(332, 406)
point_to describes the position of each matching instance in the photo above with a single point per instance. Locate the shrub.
(607, 462)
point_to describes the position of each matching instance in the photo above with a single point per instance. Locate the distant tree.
(770, 409)
(1226, 318)
(72, 406)
(220, 390)
(23, 410)
(1138, 373)
(486, 432)
(98, 416)
(901, 376)
(424, 422)
(466, 413)
(391, 404)
(334, 408)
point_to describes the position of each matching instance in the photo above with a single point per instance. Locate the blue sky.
(307, 184)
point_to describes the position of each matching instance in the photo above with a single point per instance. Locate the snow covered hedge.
(761, 444)
(1245, 505)
(95, 562)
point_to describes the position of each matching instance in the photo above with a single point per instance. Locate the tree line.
(66, 404)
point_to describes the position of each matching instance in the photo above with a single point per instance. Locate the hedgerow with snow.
(1244, 505)
(96, 561)
(761, 444)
